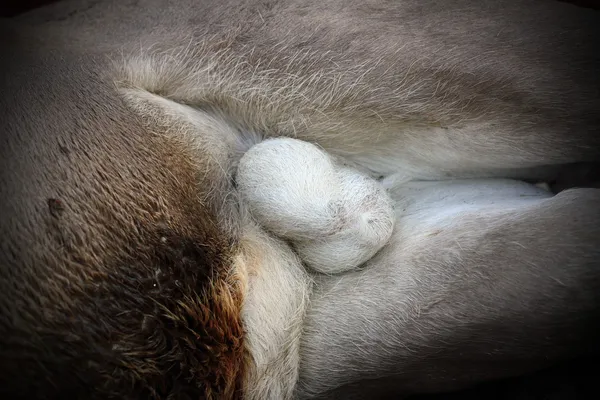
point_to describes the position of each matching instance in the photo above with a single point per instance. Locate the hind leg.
(491, 296)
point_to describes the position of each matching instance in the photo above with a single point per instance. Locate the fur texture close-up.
(299, 199)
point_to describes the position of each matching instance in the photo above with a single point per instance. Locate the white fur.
(275, 276)
(336, 217)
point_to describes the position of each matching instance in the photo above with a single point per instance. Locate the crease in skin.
(270, 272)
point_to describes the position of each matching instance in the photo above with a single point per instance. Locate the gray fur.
(113, 105)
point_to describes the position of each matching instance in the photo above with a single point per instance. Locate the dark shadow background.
(573, 380)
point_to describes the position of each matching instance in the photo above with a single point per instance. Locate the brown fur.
(124, 272)
(122, 275)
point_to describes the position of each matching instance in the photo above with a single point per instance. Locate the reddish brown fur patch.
(121, 284)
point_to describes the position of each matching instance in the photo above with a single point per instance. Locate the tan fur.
(130, 267)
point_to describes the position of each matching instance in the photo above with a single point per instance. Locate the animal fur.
(132, 267)
(335, 217)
